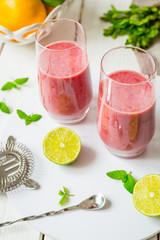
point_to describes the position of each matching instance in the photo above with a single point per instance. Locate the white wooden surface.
(18, 61)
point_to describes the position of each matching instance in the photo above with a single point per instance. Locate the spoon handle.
(33, 217)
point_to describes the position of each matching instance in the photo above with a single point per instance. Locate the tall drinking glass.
(63, 70)
(126, 102)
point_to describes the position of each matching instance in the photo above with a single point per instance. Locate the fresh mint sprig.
(4, 108)
(126, 178)
(9, 85)
(28, 118)
(64, 196)
(141, 24)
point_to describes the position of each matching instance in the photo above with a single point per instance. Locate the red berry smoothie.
(126, 112)
(64, 81)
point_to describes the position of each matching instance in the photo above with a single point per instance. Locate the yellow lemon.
(15, 14)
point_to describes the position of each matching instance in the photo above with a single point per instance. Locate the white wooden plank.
(8, 212)
(17, 231)
(14, 63)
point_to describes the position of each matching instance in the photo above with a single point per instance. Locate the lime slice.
(146, 195)
(62, 145)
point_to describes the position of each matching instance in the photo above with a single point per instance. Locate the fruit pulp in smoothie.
(126, 112)
(64, 80)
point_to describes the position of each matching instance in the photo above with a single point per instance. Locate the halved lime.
(146, 195)
(62, 145)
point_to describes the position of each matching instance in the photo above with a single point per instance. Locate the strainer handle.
(31, 184)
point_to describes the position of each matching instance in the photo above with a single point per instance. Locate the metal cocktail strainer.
(16, 166)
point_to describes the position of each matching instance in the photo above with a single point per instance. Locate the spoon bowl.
(94, 202)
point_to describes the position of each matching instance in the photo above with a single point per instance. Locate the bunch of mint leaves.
(141, 25)
(126, 178)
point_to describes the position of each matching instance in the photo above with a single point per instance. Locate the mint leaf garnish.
(4, 108)
(129, 183)
(61, 193)
(127, 179)
(35, 117)
(28, 118)
(21, 81)
(21, 114)
(9, 85)
(119, 174)
(65, 195)
(63, 200)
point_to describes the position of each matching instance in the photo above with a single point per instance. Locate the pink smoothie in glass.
(64, 80)
(126, 113)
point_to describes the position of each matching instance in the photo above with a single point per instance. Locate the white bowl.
(26, 35)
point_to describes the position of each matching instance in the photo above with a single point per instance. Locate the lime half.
(62, 145)
(146, 195)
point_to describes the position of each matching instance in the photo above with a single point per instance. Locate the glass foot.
(70, 121)
(126, 154)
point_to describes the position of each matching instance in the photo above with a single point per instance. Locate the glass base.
(125, 154)
(70, 121)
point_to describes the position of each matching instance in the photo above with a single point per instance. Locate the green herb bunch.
(141, 25)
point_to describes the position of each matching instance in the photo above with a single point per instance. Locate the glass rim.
(148, 79)
(57, 20)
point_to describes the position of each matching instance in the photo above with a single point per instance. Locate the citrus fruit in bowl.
(19, 19)
(21, 13)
